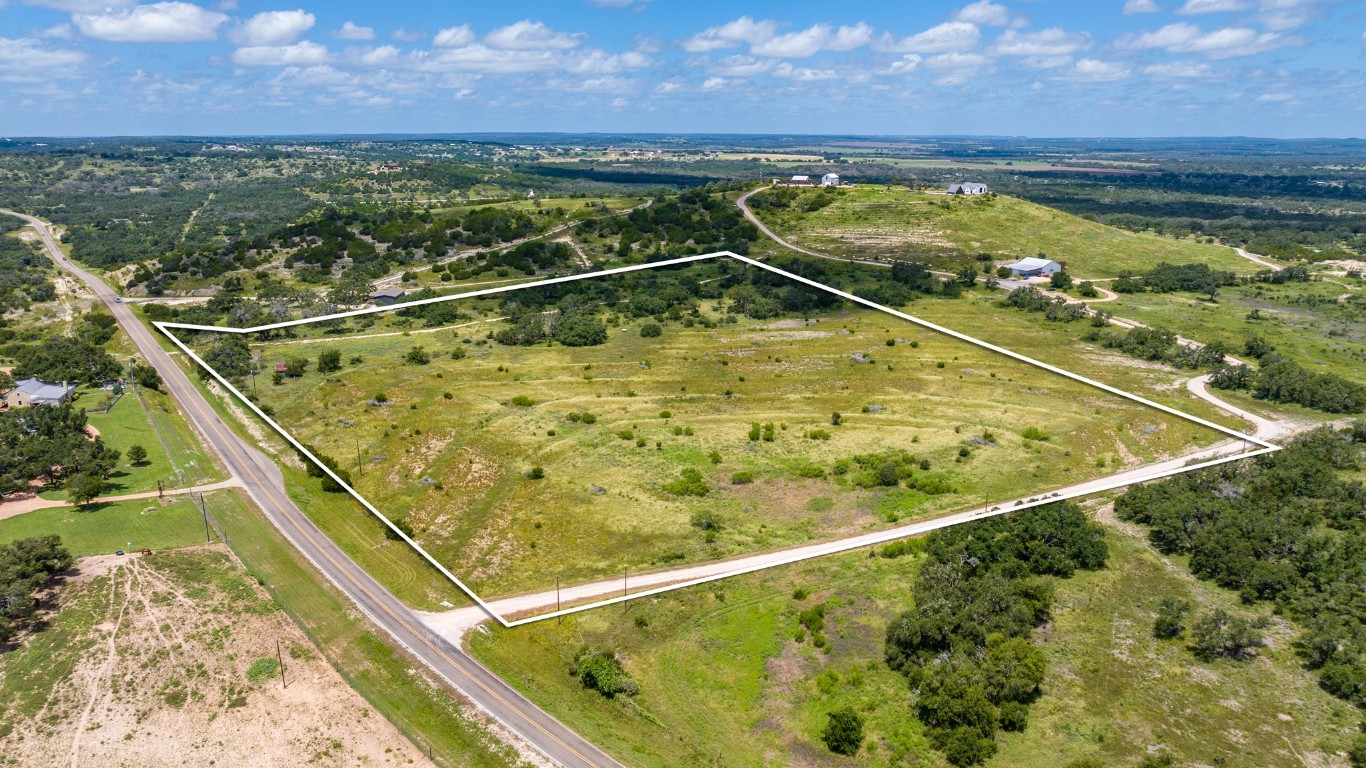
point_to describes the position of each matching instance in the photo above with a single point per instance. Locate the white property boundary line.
(833, 548)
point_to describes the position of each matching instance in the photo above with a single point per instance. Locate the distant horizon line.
(677, 134)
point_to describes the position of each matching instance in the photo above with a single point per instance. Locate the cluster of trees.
(25, 566)
(965, 647)
(693, 221)
(1284, 381)
(1170, 278)
(1055, 308)
(1160, 344)
(1286, 528)
(25, 274)
(328, 484)
(63, 358)
(49, 443)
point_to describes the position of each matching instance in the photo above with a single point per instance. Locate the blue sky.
(1281, 68)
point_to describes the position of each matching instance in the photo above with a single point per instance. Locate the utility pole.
(161, 492)
(203, 510)
(557, 599)
(359, 470)
(281, 656)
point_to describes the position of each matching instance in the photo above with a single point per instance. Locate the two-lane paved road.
(264, 483)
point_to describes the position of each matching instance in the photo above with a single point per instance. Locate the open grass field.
(128, 525)
(876, 222)
(723, 682)
(170, 660)
(451, 447)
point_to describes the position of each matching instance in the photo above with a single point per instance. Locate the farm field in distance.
(876, 221)
(699, 444)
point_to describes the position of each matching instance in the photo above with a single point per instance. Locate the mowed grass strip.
(101, 529)
(873, 221)
(449, 446)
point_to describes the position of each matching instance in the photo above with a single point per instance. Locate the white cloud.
(803, 74)
(169, 22)
(301, 53)
(82, 6)
(1222, 43)
(908, 63)
(597, 62)
(714, 83)
(1197, 7)
(1132, 7)
(454, 37)
(736, 66)
(478, 57)
(957, 68)
(1280, 15)
(984, 13)
(731, 34)
(1276, 98)
(1095, 71)
(949, 36)
(61, 31)
(1179, 70)
(669, 86)
(28, 60)
(529, 35)
(381, 56)
(1046, 42)
(273, 28)
(351, 31)
(813, 40)
(407, 35)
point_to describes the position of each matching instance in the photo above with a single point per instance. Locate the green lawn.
(722, 681)
(868, 222)
(127, 525)
(450, 450)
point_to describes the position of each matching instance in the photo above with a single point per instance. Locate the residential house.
(31, 392)
(830, 180)
(967, 188)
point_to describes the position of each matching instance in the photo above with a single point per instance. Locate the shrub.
(329, 361)
(600, 670)
(707, 520)
(666, 414)
(742, 478)
(522, 401)
(651, 330)
(1220, 635)
(1171, 619)
(714, 457)
(843, 732)
(536, 473)
(417, 356)
(1034, 433)
(754, 432)
(835, 419)
(690, 483)
(136, 455)
(818, 434)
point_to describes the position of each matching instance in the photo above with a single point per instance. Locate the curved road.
(264, 483)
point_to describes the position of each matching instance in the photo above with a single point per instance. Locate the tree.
(295, 366)
(329, 361)
(1220, 635)
(1060, 281)
(137, 455)
(146, 376)
(1171, 619)
(83, 488)
(651, 330)
(843, 732)
(417, 356)
(1013, 669)
(580, 330)
(600, 670)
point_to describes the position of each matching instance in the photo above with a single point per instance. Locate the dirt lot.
(170, 660)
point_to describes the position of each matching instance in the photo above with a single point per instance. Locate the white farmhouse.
(1034, 267)
(830, 180)
(967, 188)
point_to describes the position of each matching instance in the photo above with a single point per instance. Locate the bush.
(329, 361)
(1218, 635)
(1034, 433)
(1171, 619)
(742, 478)
(843, 732)
(522, 401)
(688, 484)
(818, 434)
(600, 670)
(707, 520)
(417, 356)
(536, 473)
(136, 455)
(651, 330)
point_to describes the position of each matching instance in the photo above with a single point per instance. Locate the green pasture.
(449, 448)
(893, 222)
